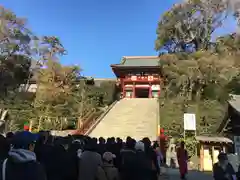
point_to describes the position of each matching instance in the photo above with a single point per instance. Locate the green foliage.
(202, 75)
(14, 34)
(109, 89)
(209, 114)
(14, 71)
(190, 145)
(20, 110)
(58, 95)
(197, 81)
(192, 22)
(63, 95)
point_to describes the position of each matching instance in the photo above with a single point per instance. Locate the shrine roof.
(235, 102)
(138, 61)
(213, 139)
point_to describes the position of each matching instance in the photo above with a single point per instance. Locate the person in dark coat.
(144, 171)
(21, 163)
(57, 167)
(223, 170)
(128, 167)
(73, 160)
(101, 146)
(89, 162)
(4, 148)
(119, 146)
(152, 159)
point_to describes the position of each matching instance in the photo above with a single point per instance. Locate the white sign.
(150, 78)
(155, 87)
(237, 145)
(189, 122)
(134, 78)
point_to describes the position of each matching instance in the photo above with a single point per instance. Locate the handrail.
(87, 119)
(81, 119)
(99, 119)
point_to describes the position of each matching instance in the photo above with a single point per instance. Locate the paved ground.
(173, 174)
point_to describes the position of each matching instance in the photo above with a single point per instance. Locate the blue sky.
(97, 33)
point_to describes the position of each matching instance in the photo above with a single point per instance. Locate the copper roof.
(141, 57)
(213, 139)
(138, 61)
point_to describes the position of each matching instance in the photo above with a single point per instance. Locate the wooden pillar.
(201, 157)
(123, 89)
(224, 148)
(150, 91)
(213, 155)
(159, 91)
(134, 90)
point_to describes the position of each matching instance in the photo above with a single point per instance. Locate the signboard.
(133, 78)
(237, 145)
(143, 78)
(155, 87)
(189, 121)
(150, 78)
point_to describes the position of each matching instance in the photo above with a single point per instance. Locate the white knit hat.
(139, 146)
(108, 156)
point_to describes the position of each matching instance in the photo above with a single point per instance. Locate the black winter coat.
(30, 170)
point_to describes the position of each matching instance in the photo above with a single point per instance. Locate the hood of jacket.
(22, 155)
(79, 153)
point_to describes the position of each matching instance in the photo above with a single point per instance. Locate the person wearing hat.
(89, 161)
(111, 172)
(143, 164)
(21, 163)
(223, 170)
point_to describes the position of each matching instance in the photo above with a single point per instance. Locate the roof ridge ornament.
(123, 60)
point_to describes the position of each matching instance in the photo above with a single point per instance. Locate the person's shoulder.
(34, 165)
(115, 171)
(35, 170)
(215, 165)
(230, 166)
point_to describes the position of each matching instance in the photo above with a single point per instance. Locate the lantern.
(26, 126)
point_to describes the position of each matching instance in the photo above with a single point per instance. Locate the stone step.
(129, 117)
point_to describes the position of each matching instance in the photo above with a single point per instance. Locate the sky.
(97, 33)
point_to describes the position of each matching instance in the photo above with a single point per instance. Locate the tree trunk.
(3, 115)
(39, 123)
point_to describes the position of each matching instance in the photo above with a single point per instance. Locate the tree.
(62, 93)
(14, 71)
(199, 74)
(109, 89)
(57, 86)
(15, 61)
(188, 26)
(14, 34)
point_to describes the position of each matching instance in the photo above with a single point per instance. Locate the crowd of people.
(28, 156)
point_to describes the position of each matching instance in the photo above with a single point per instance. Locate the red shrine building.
(138, 76)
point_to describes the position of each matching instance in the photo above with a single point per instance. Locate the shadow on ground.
(173, 174)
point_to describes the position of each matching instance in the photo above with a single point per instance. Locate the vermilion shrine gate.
(138, 76)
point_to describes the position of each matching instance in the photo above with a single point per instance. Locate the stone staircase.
(129, 117)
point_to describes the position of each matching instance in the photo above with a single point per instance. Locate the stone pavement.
(173, 174)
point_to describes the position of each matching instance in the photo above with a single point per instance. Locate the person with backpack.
(21, 163)
(223, 170)
(90, 162)
(110, 170)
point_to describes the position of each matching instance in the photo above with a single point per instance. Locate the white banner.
(189, 122)
(237, 145)
(155, 87)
